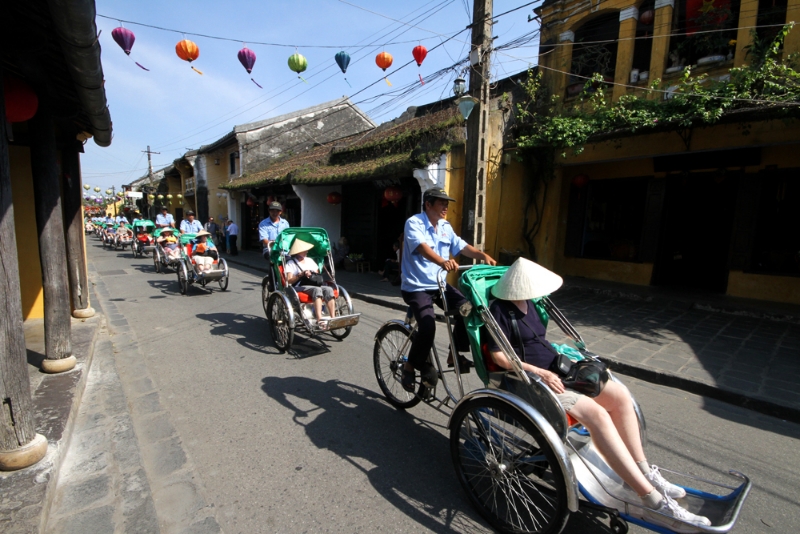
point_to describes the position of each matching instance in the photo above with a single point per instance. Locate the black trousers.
(421, 304)
(232, 239)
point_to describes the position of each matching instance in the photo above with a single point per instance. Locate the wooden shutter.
(651, 225)
(745, 220)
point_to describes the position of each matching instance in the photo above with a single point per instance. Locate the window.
(643, 46)
(771, 13)
(697, 38)
(614, 219)
(232, 157)
(595, 49)
(776, 247)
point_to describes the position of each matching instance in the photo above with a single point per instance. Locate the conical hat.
(299, 246)
(526, 280)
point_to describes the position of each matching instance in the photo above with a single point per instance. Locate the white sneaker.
(665, 488)
(675, 518)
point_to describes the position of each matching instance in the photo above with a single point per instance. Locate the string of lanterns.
(188, 51)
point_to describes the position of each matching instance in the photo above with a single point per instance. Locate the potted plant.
(704, 44)
(351, 260)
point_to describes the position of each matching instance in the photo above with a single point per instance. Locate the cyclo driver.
(428, 244)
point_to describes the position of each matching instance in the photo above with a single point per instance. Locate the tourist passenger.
(203, 252)
(298, 271)
(609, 417)
(169, 243)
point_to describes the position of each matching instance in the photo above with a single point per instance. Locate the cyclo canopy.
(316, 236)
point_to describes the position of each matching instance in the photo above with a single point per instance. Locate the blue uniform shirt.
(419, 273)
(269, 230)
(190, 227)
(164, 219)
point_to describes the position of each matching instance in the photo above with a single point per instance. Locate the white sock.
(644, 467)
(652, 500)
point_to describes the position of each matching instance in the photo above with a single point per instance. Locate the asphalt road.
(304, 442)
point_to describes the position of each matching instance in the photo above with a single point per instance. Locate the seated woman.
(609, 417)
(203, 252)
(169, 243)
(298, 271)
(124, 233)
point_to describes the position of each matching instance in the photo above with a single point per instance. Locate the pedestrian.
(430, 245)
(270, 227)
(165, 219)
(232, 231)
(190, 225)
(212, 228)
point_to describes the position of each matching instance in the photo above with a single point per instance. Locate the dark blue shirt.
(536, 353)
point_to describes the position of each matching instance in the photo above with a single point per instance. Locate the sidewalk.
(740, 351)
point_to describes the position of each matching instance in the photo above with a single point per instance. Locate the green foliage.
(769, 84)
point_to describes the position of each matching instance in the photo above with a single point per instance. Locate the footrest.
(343, 321)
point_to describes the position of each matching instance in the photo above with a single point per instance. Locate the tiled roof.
(358, 157)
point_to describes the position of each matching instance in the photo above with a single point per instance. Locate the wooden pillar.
(52, 248)
(73, 219)
(748, 16)
(792, 42)
(628, 18)
(662, 28)
(20, 445)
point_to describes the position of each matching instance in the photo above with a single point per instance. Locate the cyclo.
(122, 240)
(143, 237)
(160, 259)
(523, 462)
(187, 275)
(288, 310)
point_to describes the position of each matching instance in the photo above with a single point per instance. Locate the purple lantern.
(248, 58)
(124, 38)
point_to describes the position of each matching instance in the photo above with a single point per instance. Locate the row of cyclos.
(142, 238)
(288, 310)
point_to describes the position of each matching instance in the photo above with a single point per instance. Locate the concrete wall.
(30, 269)
(317, 212)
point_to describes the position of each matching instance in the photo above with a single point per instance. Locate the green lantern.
(298, 64)
(180, 199)
(96, 189)
(87, 186)
(151, 196)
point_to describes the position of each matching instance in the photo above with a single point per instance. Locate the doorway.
(694, 247)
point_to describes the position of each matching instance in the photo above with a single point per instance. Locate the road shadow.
(168, 286)
(412, 466)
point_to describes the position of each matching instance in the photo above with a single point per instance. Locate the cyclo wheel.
(183, 278)
(343, 307)
(388, 362)
(223, 282)
(278, 315)
(157, 260)
(507, 468)
(265, 293)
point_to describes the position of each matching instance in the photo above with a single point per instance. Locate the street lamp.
(465, 103)
(459, 87)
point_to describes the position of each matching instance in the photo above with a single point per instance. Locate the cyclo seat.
(189, 254)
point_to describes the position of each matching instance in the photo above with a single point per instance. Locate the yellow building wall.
(764, 287)
(30, 269)
(217, 175)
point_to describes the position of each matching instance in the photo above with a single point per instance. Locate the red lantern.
(419, 54)
(21, 101)
(646, 17)
(250, 202)
(393, 194)
(580, 180)
(335, 198)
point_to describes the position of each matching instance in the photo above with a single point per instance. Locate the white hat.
(299, 246)
(526, 280)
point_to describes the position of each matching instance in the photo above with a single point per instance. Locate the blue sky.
(172, 108)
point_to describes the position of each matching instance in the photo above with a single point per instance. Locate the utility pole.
(473, 218)
(145, 200)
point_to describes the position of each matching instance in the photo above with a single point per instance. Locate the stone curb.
(636, 371)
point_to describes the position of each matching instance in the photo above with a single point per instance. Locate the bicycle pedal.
(427, 394)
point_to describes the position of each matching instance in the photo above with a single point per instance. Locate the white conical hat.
(299, 246)
(526, 280)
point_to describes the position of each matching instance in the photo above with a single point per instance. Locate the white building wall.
(315, 210)
(433, 175)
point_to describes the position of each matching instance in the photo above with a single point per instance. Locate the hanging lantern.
(180, 199)
(419, 53)
(96, 189)
(169, 197)
(384, 61)
(393, 194)
(108, 191)
(580, 180)
(343, 60)
(125, 39)
(151, 196)
(188, 51)
(248, 59)
(335, 198)
(466, 104)
(120, 194)
(87, 186)
(21, 101)
(298, 64)
(646, 17)
(250, 202)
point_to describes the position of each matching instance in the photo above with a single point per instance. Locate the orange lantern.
(188, 51)
(335, 198)
(384, 61)
(393, 194)
(21, 101)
